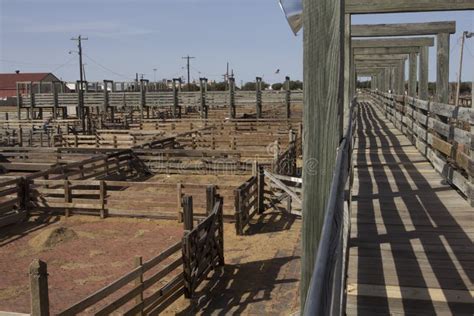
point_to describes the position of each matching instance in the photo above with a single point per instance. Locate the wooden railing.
(326, 291)
(441, 132)
(141, 299)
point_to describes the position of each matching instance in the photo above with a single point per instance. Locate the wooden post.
(323, 23)
(413, 66)
(103, 196)
(203, 108)
(187, 202)
(142, 99)
(423, 75)
(67, 196)
(288, 97)
(175, 97)
(39, 288)
(442, 73)
(55, 100)
(276, 156)
(20, 136)
(139, 282)
(210, 198)
(232, 110)
(238, 211)
(258, 90)
(261, 190)
(18, 101)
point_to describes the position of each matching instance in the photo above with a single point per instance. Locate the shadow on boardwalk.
(413, 249)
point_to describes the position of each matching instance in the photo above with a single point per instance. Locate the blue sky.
(128, 37)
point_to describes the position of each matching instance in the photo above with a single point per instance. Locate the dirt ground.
(102, 251)
(261, 275)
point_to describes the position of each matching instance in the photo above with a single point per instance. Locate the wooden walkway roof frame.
(328, 90)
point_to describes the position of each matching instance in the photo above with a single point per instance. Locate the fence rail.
(441, 132)
(142, 282)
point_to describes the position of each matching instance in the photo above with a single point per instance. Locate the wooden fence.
(21, 194)
(153, 285)
(248, 201)
(117, 198)
(12, 201)
(137, 299)
(441, 132)
(203, 246)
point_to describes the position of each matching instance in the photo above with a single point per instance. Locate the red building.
(8, 82)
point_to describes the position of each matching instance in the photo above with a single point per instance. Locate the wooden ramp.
(411, 248)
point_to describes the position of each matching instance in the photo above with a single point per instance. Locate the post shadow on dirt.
(429, 216)
(231, 289)
(270, 222)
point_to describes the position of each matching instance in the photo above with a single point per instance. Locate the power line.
(61, 66)
(105, 68)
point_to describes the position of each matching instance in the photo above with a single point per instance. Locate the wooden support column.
(402, 78)
(423, 73)
(232, 110)
(442, 73)
(258, 99)
(344, 115)
(413, 66)
(39, 288)
(387, 76)
(323, 60)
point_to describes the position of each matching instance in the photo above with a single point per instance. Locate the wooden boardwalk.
(411, 249)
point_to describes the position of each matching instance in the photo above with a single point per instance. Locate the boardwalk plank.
(411, 246)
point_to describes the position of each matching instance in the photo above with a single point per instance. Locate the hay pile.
(50, 238)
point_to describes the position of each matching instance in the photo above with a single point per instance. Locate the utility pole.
(154, 74)
(79, 40)
(465, 35)
(189, 75)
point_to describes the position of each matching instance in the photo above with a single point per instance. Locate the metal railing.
(326, 294)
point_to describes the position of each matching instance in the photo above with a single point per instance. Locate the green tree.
(277, 86)
(296, 85)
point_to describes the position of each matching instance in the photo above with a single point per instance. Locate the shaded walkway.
(411, 249)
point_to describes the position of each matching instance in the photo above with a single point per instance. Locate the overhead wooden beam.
(393, 42)
(406, 29)
(394, 6)
(381, 64)
(386, 50)
(381, 56)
